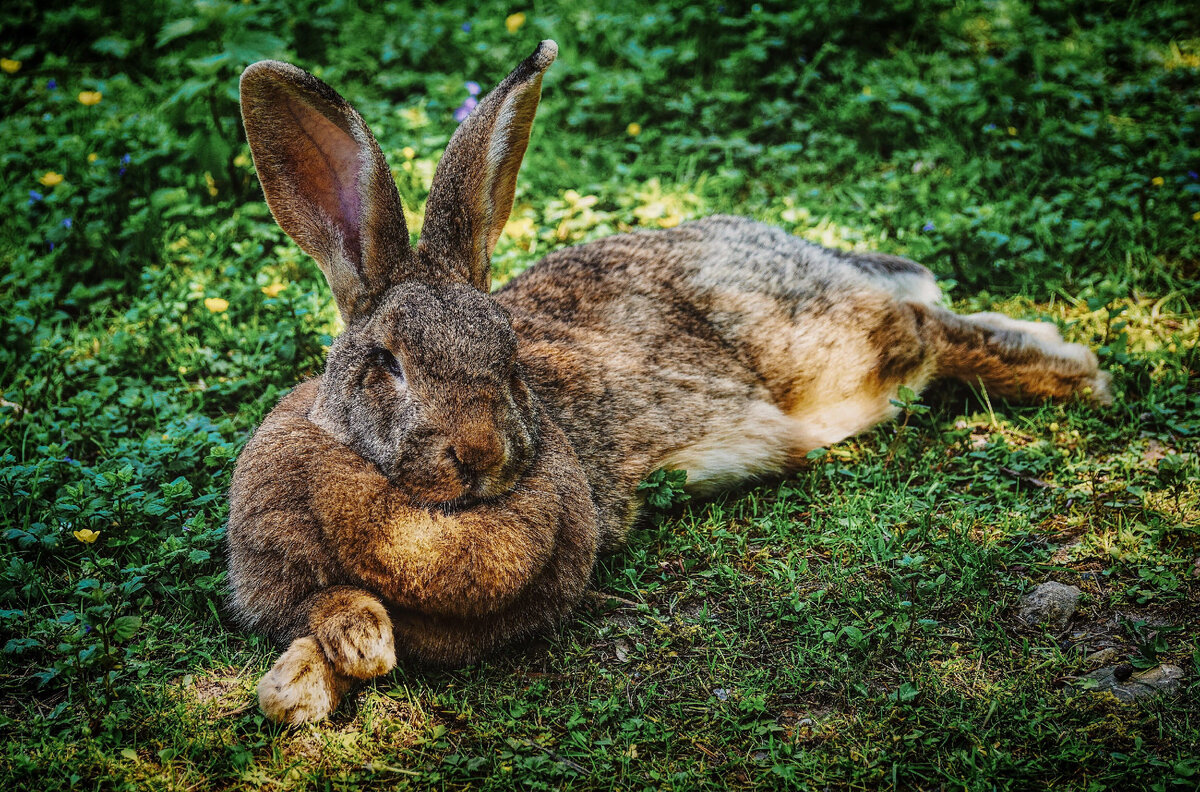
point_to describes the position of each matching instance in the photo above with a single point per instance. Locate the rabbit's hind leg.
(1015, 359)
(351, 641)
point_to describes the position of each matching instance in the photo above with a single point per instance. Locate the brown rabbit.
(444, 487)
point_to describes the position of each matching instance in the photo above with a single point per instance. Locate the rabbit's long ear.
(326, 182)
(472, 191)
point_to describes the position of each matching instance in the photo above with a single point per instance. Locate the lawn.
(852, 626)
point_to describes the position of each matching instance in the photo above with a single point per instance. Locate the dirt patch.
(222, 692)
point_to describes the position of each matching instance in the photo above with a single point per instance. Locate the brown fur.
(445, 486)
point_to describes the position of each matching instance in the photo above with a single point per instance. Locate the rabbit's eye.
(386, 361)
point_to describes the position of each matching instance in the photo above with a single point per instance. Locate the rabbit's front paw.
(358, 640)
(301, 686)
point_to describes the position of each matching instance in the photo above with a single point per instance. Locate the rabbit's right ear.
(326, 182)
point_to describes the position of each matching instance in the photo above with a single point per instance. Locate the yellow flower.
(1196, 217)
(216, 304)
(522, 231)
(866, 90)
(211, 183)
(514, 22)
(409, 152)
(274, 289)
(634, 129)
(86, 535)
(1012, 131)
(1157, 181)
(10, 66)
(50, 178)
(415, 116)
(90, 98)
(93, 157)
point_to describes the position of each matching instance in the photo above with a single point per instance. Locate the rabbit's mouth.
(477, 497)
(497, 484)
(464, 503)
(459, 490)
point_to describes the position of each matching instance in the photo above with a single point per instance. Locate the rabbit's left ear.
(472, 192)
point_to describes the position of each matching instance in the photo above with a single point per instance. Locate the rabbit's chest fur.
(723, 347)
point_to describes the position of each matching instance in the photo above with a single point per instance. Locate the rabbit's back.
(723, 346)
(723, 253)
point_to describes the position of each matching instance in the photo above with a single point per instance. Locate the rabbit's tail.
(904, 279)
(1014, 359)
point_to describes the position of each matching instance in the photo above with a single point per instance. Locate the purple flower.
(35, 196)
(990, 128)
(1193, 175)
(121, 172)
(125, 159)
(466, 27)
(52, 85)
(68, 460)
(87, 628)
(67, 222)
(473, 88)
(464, 109)
(928, 226)
(52, 247)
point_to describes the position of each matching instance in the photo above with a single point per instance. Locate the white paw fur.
(300, 687)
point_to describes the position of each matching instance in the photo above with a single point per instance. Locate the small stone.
(1164, 677)
(1051, 603)
(1103, 656)
(1161, 679)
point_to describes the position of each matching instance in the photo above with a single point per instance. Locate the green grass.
(850, 627)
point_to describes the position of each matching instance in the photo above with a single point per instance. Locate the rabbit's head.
(424, 382)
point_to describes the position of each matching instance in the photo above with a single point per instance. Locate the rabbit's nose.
(478, 454)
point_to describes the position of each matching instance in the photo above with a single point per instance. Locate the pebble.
(1052, 604)
(1103, 656)
(1131, 687)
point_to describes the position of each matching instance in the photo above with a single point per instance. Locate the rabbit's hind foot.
(1018, 359)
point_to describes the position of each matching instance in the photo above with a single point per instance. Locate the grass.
(852, 626)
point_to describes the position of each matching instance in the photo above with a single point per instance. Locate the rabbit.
(446, 484)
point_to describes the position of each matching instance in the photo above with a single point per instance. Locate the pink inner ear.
(325, 163)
